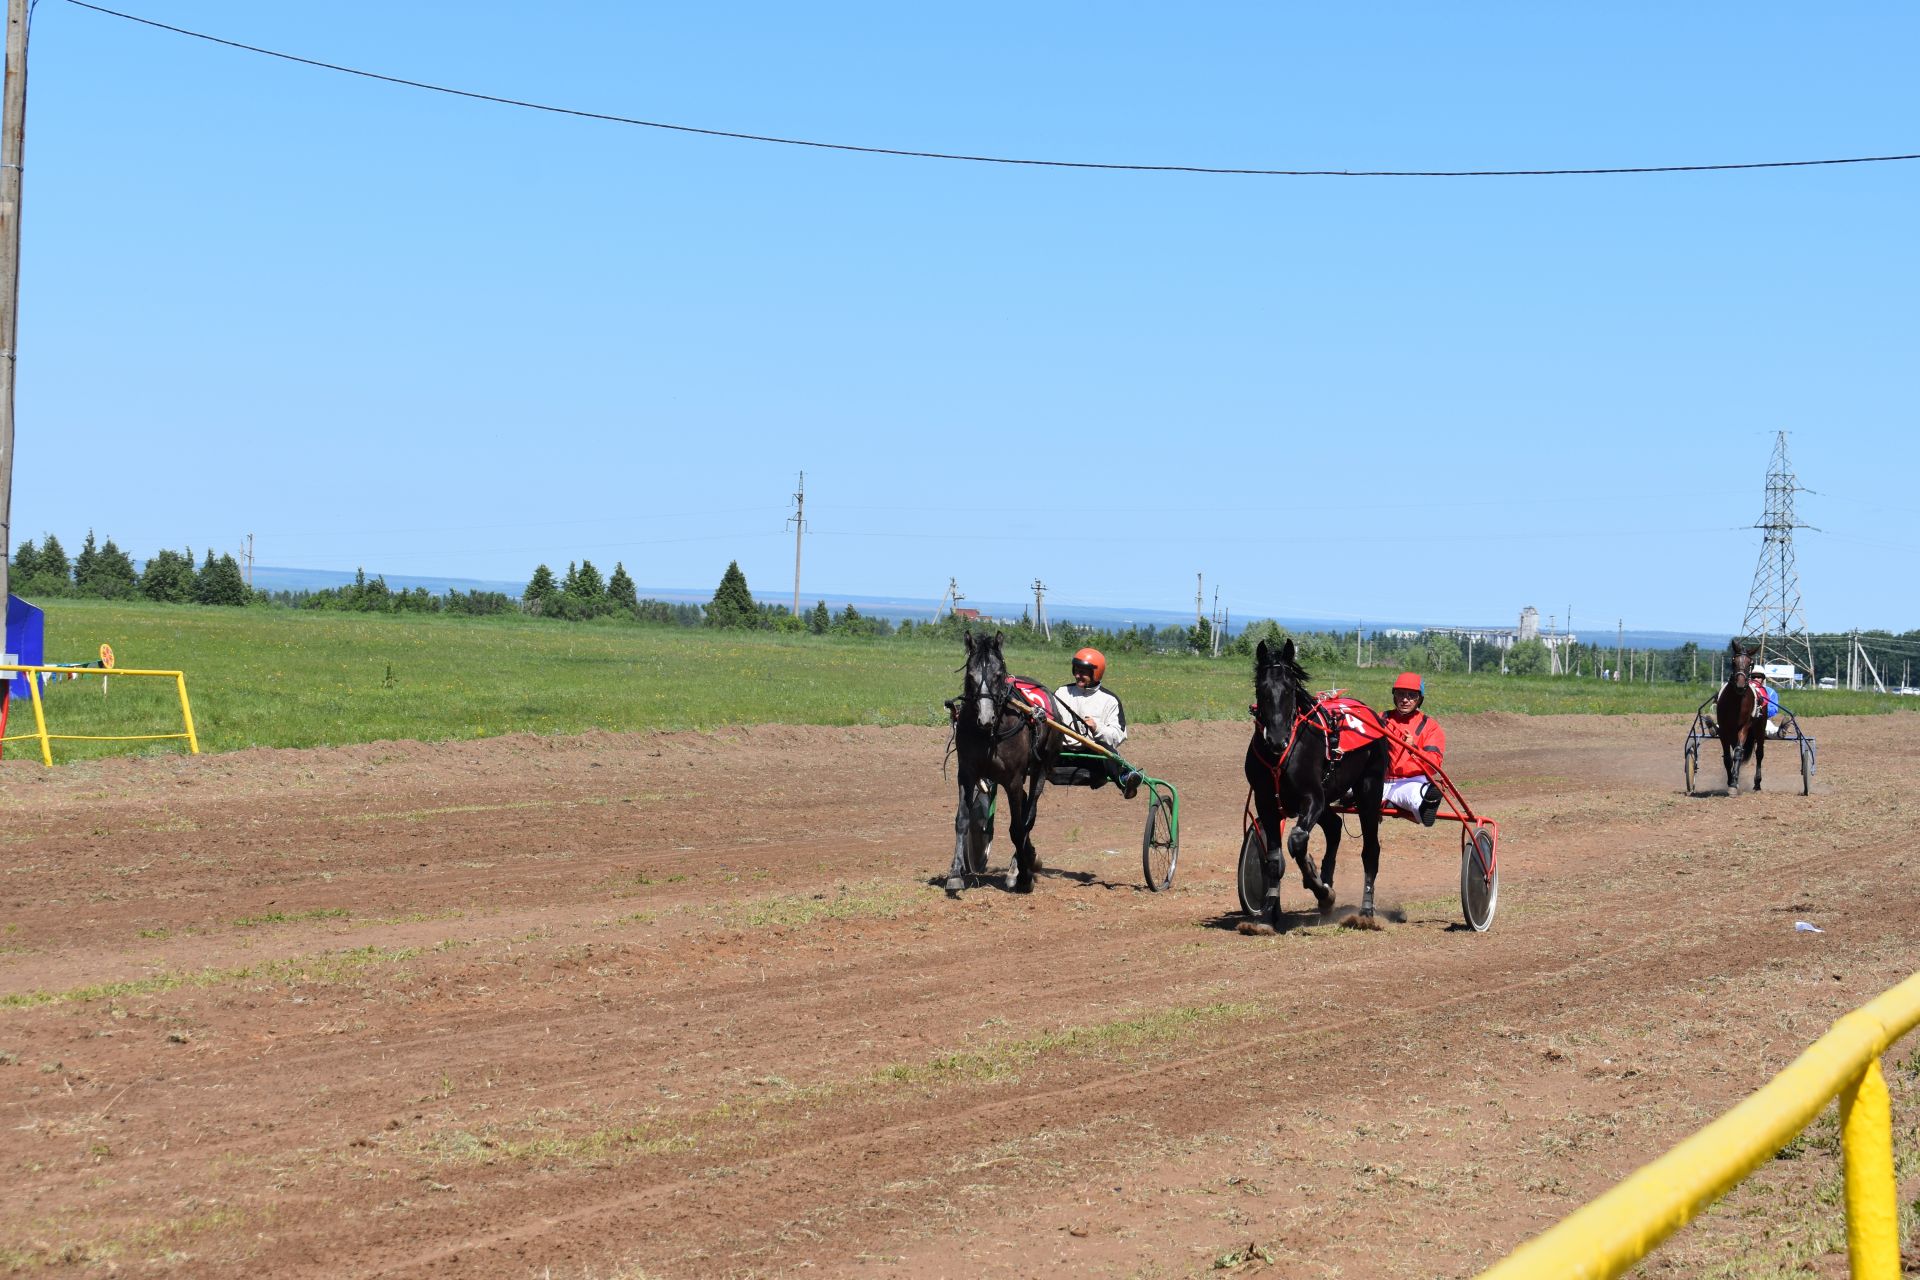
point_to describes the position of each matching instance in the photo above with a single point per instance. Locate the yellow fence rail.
(46, 740)
(1609, 1235)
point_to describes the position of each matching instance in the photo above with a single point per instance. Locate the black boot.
(1429, 805)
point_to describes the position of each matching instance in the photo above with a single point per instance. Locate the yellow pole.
(186, 711)
(40, 719)
(1866, 1133)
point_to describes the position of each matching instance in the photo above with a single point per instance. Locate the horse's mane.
(1292, 673)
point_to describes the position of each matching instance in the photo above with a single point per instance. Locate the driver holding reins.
(1096, 712)
(1415, 742)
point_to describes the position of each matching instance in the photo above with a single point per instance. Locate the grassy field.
(277, 677)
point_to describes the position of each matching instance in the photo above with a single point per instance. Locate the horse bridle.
(999, 698)
(1315, 714)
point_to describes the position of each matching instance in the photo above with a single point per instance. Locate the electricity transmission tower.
(1040, 609)
(1774, 616)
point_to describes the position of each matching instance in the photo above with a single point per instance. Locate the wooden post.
(13, 138)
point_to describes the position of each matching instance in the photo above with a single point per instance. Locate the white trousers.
(1404, 793)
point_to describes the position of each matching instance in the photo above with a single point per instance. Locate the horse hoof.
(954, 885)
(1023, 884)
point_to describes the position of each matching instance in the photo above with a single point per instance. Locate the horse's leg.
(1297, 840)
(1731, 752)
(1332, 828)
(1266, 813)
(1024, 806)
(1369, 854)
(1759, 755)
(962, 819)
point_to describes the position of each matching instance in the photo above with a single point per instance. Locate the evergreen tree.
(587, 584)
(219, 582)
(570, 585)
(540, 589)
(819, 622)
(113, 577)
(26, 562)
(732, 604)
(83, 564)
(53, 564)
(168, 577)
(620, 587)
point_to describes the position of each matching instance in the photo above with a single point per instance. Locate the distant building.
(1506, 637)
(967, 615)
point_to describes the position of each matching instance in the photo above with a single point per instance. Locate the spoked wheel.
(1253, 872)
(1479, 878)
(1160, 846)
(1806, 769)
(1692, 759)
(980, 830)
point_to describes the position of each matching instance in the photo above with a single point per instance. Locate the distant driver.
(1096, 713)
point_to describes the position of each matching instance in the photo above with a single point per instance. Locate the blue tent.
(26, 642)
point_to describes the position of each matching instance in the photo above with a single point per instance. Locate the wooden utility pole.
(13, 146)
(799, 522)
(248, 553)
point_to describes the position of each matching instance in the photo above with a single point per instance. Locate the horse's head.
(1278, 683)
(1739, 663)
(986, 683)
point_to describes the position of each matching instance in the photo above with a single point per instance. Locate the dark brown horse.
(997, 739)
(1742, 732)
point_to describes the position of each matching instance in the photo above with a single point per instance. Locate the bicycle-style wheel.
(1479, 878)
(1253, 872)
(1160, 845)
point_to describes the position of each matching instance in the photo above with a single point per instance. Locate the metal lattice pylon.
(1774, 616)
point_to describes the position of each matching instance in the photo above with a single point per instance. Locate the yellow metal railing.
(1610, 1234)
(46, 740)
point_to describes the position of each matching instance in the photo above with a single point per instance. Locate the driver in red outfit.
(1417, 743)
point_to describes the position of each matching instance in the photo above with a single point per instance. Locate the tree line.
(102, 570)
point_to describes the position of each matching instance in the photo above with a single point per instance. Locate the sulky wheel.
(1479, 878)
(1253, 872)
(1160, 846)
(980, 829)
(1691, 759)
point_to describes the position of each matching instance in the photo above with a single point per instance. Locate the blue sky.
(386, 328)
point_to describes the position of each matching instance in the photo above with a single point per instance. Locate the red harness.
(1347, 724)
(1035, 695)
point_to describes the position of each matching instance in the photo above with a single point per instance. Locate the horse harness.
(1027, 715)
(1320, 715)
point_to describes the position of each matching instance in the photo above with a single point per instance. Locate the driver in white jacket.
(1088, 708)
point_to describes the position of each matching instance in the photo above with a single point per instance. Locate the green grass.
(285, 678)
(329, 967)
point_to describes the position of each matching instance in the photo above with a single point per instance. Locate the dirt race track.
(690, 1005)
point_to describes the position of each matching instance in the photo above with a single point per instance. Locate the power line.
(982, 159)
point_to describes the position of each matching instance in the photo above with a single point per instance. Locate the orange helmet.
(1409, 681)
(1090, 662)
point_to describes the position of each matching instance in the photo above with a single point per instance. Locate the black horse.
(999, 739)
(1741, 724)
(1290, 768)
